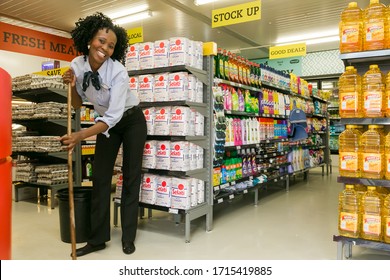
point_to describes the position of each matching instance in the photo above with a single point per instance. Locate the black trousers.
(131, 132)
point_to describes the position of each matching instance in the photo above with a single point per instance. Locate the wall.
(322, 63)
(17, 64)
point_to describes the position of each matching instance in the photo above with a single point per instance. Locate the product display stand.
(205, 173)
(361, 61)
(48, 126)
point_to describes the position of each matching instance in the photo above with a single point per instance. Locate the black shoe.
(128, 247)
(89, 248)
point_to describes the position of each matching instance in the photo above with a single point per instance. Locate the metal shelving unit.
(205, 174)
(48, 126)
(361, 62)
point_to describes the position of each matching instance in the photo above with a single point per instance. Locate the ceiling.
(175, 18)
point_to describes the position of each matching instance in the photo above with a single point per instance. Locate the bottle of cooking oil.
(350, 97)
(373, 93)
(371, 210)
(387, 156)
(349, 152)
(349, 218)
(351, 29)
(360, 190)
(375, 28)
(387, 91)
(372, 153)
(386, 219)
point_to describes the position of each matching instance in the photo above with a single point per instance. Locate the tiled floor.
(294, 225)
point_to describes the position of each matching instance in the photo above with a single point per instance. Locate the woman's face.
(101, 48)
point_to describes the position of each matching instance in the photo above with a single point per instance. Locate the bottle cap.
(352, 5)
(349, 186)
(371, 188)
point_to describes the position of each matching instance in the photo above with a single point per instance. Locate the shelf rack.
(361, 61)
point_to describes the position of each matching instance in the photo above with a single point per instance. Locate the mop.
(70, 179)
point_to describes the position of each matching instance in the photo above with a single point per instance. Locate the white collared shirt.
(114, 97)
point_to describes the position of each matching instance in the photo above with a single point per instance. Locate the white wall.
(18, 64)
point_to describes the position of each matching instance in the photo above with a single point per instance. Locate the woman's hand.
(69, 78)
(71, 140)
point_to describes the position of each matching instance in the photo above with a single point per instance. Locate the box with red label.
(181, 193)
(161, 53)
(146, 55)
(180, 156)
(132, 57)
(163, 197)
(149, 188)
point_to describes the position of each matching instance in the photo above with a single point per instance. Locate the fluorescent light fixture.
(134, 17)
(202, 2)
(311, 36)
(314, 41)
(127, 12)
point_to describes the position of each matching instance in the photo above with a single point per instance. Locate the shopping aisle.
(295, 225)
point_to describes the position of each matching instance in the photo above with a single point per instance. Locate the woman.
(99, 77)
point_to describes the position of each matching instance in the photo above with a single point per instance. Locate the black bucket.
(82, 212)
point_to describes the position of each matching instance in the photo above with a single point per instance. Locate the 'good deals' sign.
(23, 40)
(287, 51)
(236, 14)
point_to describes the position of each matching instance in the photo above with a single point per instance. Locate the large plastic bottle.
(375, 26)
(350, 94)
(387, 92)
(349, 218)
(371, 211)
(373, 93)
(387, 156)
(349, 152)
(351, 29)
(372, 153)
(386, 219)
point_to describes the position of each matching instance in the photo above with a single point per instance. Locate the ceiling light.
(127, 12)
(306, 37)
(202, 2)
(134, 17)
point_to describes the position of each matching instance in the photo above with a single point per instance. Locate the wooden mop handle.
(70, 178)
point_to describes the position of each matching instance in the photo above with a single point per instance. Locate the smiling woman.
(99, 77)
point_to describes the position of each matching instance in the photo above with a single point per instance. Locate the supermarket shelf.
(60, 155)
(365, 121)
(342, 241)
(197, 173)
(42, 94)
(276, 87)
(319, 99)
(257, 145)
(271, 155)
(234, 84)
(199, 73)
(363, 181)
(200, 107)
(334, 152)
(367, 56)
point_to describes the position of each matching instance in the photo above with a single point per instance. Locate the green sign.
(287, 65)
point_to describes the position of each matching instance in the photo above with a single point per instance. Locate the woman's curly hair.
(86, 29)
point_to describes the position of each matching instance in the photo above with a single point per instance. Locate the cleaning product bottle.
(351, 29)
(371, 225)
(349, 218)
(349, 151)
(350, 94)
(372, 154)
(386, 219)
(375, 26)
(373, 93)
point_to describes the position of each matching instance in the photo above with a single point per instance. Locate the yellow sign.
(53, 72)
(136, 35)
(287, 51)
(236, 14)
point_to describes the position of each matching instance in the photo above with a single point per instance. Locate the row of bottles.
(366, 97)
(232, 67)
(364, 154)
(364, 214)
(364, 30)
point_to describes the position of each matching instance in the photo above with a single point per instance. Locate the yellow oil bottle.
(349, 218)
(386, 219)
(387, 156)
(373, 88)
(387, 92)
(351, 29)
(372, 153)
(349, 152)
(350, 94)
(375, 26)
(371, 206)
